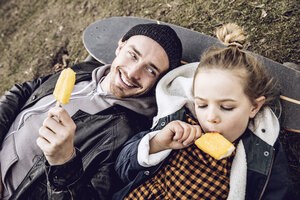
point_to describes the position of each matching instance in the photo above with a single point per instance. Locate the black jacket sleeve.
(127, 166)
(91, 175)
(71, 181)
(12, 102)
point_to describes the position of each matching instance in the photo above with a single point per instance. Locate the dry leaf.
(263, 13)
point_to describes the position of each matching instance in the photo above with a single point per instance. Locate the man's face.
(139, 63)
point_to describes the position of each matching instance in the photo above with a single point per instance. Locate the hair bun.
(231, 35)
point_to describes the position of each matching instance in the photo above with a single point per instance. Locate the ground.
(35, 34)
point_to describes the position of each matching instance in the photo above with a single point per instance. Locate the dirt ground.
(35, 34)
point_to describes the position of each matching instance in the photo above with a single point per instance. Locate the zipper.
(269, 174)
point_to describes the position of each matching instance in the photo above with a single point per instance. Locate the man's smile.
(125, 81)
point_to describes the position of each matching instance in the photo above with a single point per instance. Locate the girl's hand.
(57, 136)
(176, 135)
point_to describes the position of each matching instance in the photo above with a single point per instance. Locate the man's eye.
(132, 55)
(150, 70)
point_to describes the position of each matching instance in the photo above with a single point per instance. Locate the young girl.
(230, 93)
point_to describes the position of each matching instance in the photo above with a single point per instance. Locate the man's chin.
(120, 95)
(123, 96)
(128, 93)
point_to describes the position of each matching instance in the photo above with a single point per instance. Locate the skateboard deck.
(101, 40)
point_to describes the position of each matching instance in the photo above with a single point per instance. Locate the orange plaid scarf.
(189, 173)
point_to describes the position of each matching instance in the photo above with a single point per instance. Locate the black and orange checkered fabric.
(188, 174)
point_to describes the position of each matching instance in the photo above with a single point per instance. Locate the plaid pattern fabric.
(188, 174)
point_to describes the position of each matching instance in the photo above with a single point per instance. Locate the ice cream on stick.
(64, 86)
(215, 145)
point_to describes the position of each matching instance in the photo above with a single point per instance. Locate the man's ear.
(120, 46)
(259, 102)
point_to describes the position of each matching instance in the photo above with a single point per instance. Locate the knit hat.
(163, 35)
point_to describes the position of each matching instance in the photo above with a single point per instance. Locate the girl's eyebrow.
(199, 98)
(221, 100)
(225, 100)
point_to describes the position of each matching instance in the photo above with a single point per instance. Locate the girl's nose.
(213, 117)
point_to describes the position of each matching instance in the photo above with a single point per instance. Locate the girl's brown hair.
(256, 80)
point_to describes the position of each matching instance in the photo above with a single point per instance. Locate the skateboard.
(101, 39)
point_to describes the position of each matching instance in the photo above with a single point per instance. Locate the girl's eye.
(202, 106)
(227, 108)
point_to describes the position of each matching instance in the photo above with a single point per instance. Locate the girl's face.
(221, 104)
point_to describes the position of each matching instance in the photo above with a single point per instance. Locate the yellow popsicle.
(64, 86)
(215, 145)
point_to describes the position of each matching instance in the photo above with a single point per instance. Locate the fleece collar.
(174, 91)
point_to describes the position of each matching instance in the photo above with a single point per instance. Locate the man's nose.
(134, 71)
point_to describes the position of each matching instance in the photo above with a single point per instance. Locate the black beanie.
(163, 35)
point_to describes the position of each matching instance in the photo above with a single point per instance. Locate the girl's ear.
(120, 46)
(258, 104)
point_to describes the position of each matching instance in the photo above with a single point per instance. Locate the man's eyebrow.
(140, 54)
(136, 51)
(153, 66)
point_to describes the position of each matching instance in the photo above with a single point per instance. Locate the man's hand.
(176, 135)
(57, 136)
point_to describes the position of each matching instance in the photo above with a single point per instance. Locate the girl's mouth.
(213, 131)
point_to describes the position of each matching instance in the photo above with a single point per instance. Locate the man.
(68, 152)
